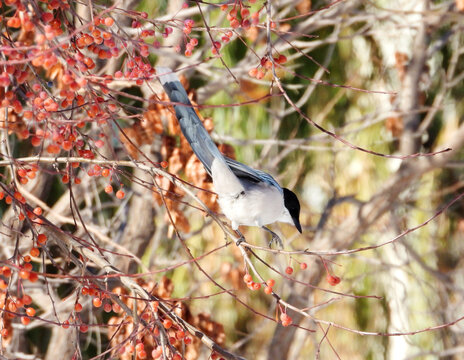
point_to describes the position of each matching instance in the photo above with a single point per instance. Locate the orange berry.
(109, 21)
(35, 141)
(97, 302)
(37, 211)
(268, 290)
(253, 72)
(67, 145)
(6, 271)
(53, 149)
(25, 320)
(33, 277)
(27, 300)
(167, 323)
(109, 189)
(3, 284)
(105, 172)
(120, 194)
(42, 238)
(260, 74)
(78, 307)
(24, 274)
(270, 282)
(30, 311)
(247, 278)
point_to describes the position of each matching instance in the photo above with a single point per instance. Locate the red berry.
(108, 189)
(303, 266)
(120, 194)
(289, 270)
(287, 322)
(270, 282)
(332, 279)
(268, 290)
(282, 59)
(167, 323)
(42, 238)
(83, 328)
(78, 307)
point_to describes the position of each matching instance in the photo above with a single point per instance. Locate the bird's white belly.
(254, 207)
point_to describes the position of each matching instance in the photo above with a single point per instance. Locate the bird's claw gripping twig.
(275, 238)
(240, 239)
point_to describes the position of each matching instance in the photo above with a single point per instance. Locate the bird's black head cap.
(293, 206)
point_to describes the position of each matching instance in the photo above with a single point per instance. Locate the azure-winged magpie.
(246, 196)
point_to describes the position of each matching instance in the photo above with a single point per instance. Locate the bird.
(246, 196)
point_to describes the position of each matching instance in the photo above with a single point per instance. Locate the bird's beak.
(297, 224)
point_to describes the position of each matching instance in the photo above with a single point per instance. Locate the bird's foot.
(275, 238)
(240, 239)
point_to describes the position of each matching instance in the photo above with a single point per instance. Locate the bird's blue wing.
(192, 127)
(243, 171)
